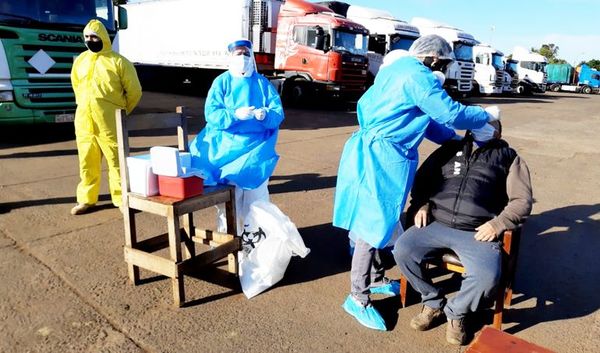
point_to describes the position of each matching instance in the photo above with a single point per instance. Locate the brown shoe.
(455, 332)
(425, 318)
(80, 208)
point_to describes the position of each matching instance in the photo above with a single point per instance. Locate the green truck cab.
(39, 39)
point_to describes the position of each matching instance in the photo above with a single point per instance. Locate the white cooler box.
(141, 178)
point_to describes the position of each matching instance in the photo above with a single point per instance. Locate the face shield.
(241, 58)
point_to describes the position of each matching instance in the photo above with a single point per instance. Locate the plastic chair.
(449, 260)
(176, 211)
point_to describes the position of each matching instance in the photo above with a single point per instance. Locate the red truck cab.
(317, 50)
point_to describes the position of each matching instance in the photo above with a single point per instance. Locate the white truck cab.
(531, 70)
(460, 74)
(489, 69)
(387, 33)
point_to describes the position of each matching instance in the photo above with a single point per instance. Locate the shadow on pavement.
(9, 206)
(558, 266)
(301, 182)
(328, 256)
(35, 134)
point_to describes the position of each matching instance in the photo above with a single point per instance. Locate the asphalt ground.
(64, 285)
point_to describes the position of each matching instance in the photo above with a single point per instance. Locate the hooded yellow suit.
(102, 82)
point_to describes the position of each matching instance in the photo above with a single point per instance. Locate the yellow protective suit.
(103, 82)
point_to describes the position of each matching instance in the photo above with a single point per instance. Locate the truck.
(386, 33)
(531, 71)
(460, 74)
(564, 77)
(489, 69)
(304, 48)
(511, 76)
(38, 42)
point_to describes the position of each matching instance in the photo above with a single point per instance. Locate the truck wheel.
(520, 89)
(294, 93)
(555, 88)
(586, 89)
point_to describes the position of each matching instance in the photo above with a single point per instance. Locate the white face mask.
(440, 77)
(241, 66)
(484, 134)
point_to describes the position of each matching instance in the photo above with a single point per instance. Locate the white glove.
(493, 113)
(260, 113)
(244, 113)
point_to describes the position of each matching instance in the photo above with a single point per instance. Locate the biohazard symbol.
(250, 239)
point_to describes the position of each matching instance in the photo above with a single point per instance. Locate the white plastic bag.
(269, 241)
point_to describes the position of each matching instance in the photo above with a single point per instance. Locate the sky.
(572, 25)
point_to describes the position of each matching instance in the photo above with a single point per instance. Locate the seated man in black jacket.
(464, 196)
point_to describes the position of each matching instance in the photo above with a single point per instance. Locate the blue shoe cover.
(391, 288)
(367, 316)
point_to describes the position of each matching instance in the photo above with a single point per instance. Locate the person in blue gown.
(237, 147)
(405, 104)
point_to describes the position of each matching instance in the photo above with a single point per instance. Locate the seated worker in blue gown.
(405, 104)
(464, 196)
(243, 112)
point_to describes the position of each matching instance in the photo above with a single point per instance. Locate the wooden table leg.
(190, 230)
(230, 211)
(130, 241)
(175, 252)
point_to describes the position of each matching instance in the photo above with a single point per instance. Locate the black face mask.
(439, 65)
(94, 46)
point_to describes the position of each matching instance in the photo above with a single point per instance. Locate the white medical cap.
(432, 45)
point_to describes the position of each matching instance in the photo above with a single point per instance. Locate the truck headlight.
(6, 96)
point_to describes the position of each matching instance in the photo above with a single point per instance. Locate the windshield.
(463, 51)
(67, 13)
(400, 42)
(533, 65)
(512, 66)
(355, 43)
(497, 61)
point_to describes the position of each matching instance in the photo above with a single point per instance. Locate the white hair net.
(431, 45)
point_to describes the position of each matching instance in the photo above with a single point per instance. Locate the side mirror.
(122, 17)
(326, 42)
(320, 44)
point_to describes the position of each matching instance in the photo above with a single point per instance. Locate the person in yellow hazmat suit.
(103, 81)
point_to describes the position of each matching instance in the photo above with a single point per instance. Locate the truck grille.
(50, 92)
(467, 74)
(499, 78)
(353, 75)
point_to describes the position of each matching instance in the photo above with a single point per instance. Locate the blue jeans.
(482, 262)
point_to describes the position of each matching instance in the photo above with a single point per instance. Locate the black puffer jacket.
(465, 188)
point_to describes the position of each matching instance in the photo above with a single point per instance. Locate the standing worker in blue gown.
(405, 104)
(243, 112)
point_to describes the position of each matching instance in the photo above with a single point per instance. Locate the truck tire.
(555, 87)
(586, 89)
(294, 93)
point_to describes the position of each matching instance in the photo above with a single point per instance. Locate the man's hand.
(485, 232)
(244, 113)
(421, 216)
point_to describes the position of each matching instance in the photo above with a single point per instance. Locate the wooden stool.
(491, 340)
(177, 211)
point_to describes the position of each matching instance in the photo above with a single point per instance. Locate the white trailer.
(386, 33)
(459, 75)
(489, 69)
(161, 33)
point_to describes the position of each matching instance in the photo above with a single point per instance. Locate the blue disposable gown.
(378, 163)
(235, 151)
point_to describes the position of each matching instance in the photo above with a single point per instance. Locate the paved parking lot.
(64, 284)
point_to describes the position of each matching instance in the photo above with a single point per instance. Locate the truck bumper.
(11, 114)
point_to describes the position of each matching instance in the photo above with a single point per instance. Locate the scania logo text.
(49, 37)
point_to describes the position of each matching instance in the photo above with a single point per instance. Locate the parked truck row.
(307, 49)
